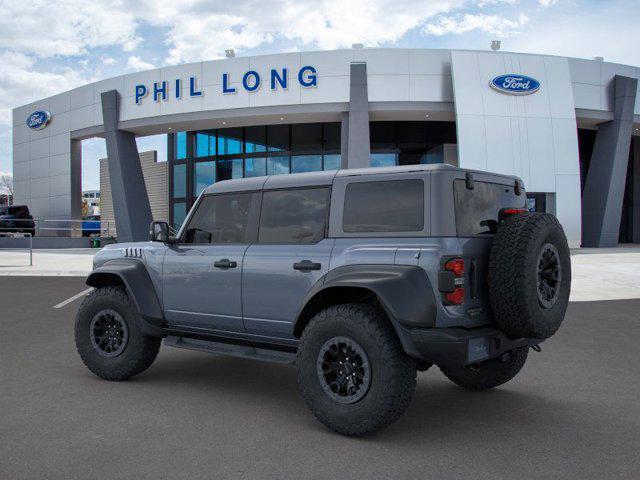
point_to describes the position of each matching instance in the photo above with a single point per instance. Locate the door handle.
(225, 263)
(306, 266)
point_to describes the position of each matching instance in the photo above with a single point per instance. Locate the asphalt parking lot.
(574, 411)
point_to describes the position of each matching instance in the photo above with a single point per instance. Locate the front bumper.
(465, 346)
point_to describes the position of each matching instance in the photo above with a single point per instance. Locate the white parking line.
(75, 297)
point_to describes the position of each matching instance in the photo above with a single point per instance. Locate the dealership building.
(570, 128)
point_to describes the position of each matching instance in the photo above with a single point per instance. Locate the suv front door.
(292, 253)
(202, 271)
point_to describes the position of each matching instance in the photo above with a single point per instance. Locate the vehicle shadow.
(444, 410)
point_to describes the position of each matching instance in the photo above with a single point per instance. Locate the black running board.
(235, 350)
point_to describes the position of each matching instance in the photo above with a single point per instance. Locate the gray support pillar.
(344, 140)
(358, 146)
(604, 186)
(636, 189)
(130, 201)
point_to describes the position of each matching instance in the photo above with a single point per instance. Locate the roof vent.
(357, 46)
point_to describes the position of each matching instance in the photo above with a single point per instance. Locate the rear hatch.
(477, 207)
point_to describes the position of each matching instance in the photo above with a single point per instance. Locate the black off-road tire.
(392, 379)
(489, 374)
(139, 352)
(514, 278)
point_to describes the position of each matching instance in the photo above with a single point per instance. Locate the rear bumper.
(462, 346)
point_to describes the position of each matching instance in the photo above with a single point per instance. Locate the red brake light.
(514, 211)
(456, 297)
(455, 265)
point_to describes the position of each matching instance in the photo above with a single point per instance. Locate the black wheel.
(108, 338)
(529, 275)
(489, 374)
(352, 371)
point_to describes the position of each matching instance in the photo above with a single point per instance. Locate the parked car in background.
(17, 219)
(91, 225)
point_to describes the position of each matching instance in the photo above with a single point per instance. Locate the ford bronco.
(359, 277)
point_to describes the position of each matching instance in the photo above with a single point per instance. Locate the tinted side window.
(294, 216)
(220, 219)
(477, 210)
(390, 206)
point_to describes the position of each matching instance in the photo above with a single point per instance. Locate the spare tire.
(529, 275)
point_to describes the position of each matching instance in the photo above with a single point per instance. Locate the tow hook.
(536, 348)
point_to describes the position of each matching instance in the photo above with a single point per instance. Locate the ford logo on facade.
(515, 84)
(38, 119)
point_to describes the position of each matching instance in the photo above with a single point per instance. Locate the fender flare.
(134, 276)
(404, 291)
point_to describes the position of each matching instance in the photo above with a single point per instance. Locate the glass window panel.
(383, 135)
(412, 135)
(293, 216)
(383, 159)
(228, 169)
(332, 136)
(179, 214)
(306, 163)
(255, 139)
(277, 165)
(181, 145)
(332, 162)
(229, 141)
(278, 137)
(390, 206)
(306, 137)
(180, 180)
(477, 210)
(205, 144)
(220, 219)
(204, 174)
(255, 167)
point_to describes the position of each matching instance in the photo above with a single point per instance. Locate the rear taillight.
(455, 265)
(456, 297)
(454, 289)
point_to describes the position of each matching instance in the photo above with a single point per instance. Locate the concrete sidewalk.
(598, 274)
(71, 262)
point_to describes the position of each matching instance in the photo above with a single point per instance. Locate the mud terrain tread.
(399, 370)
(513, 297)
(141, 350)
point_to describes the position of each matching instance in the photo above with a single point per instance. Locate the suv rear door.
(291, 254)
(202, 271)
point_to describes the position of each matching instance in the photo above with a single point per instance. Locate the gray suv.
(359, 277)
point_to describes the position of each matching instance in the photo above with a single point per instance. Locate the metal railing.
(21, 235)
(48, 227)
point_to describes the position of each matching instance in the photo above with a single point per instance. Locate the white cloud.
(48, 29)
(491, 24)
(547, 3)
(203, 30)
(17, 85)
(136, 63)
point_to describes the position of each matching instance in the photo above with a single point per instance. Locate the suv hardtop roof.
(311, 179)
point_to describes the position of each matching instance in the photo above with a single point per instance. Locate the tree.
(86, 209)
(6, 187)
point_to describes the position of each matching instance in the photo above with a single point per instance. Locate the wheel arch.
(133, 277)
(403, 292)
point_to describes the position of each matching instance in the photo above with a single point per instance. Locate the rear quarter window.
(384, 206)
(477, 209)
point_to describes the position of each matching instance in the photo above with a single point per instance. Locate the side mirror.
(159, 232)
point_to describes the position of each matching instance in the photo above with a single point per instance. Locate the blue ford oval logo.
(515, 84)
(38, 119)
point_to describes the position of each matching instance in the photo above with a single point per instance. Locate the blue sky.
(50, 47)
